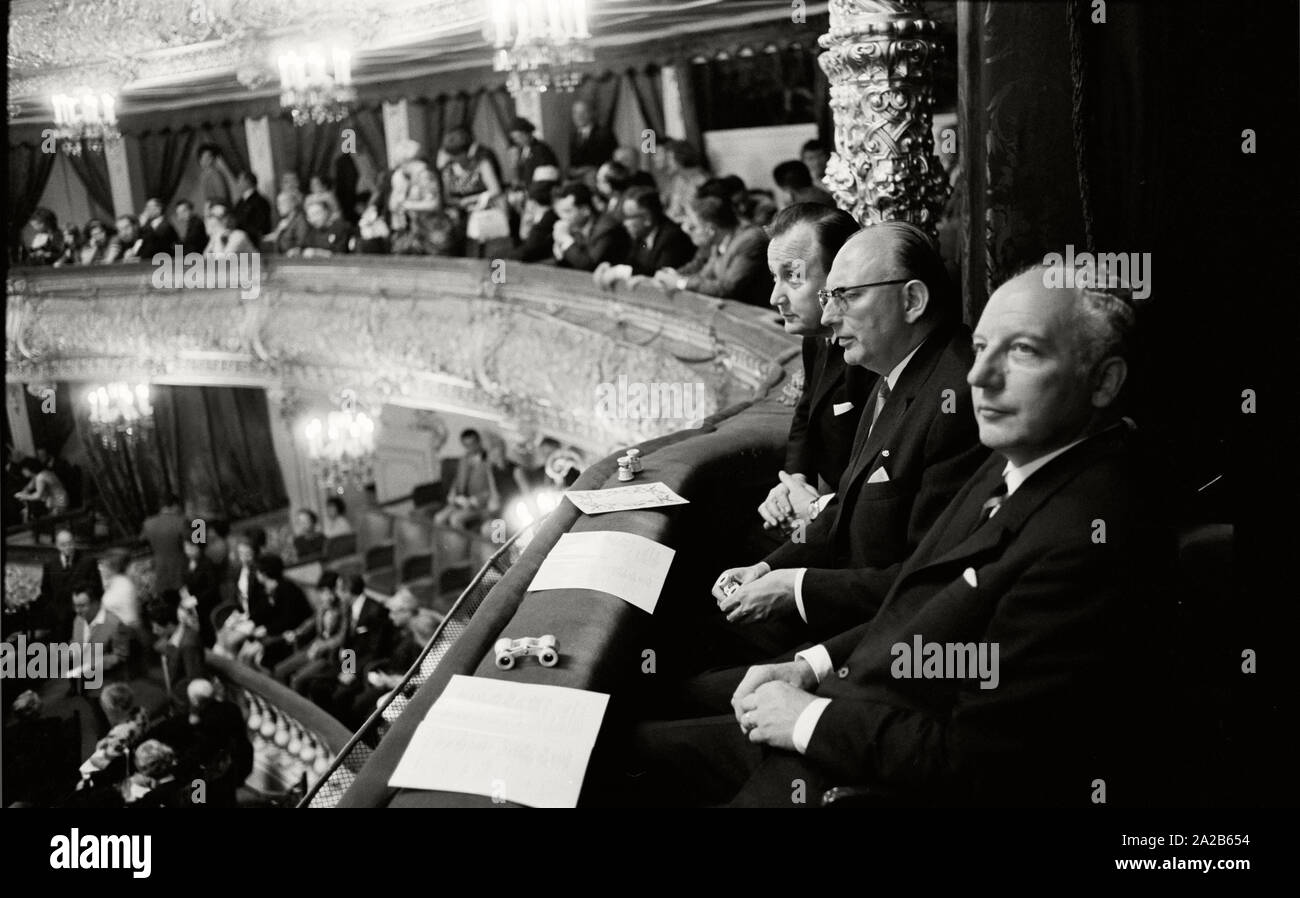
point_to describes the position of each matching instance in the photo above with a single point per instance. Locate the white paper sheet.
(517, 742)
(622, 564)
(624, 498)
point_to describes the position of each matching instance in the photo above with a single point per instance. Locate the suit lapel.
(826, 372)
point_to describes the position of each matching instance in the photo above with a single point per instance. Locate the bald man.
(890, 309)
(1045, 566)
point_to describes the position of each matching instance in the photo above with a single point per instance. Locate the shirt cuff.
(562, 246)
(798, 596)
(806, 723)
(819, 660)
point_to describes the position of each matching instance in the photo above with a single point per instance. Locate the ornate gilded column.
(880, 62)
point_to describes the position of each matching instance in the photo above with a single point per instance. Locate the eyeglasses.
(836, 296)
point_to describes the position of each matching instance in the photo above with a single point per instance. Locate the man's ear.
(916, 299)
(1108, 380)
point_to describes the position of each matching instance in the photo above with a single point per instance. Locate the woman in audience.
(322, 190)
(224, 236)
(71, 254)
(420, 226)
(336, 522)
(201, 589)
(324, 236)
(372, 226)
(96, 245)
(685, 175)
(292, 228)
(45, 493)
(46, 246)
(471, 184)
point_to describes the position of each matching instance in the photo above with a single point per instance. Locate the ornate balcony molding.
(525, 345)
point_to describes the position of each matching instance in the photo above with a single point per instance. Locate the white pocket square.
(969, 576)
(880, 475)
(840, 408)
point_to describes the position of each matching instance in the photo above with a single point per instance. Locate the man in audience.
(590, 144)
(537, 223)
(323, 237)
(657, 241)
(368, 637)
(282, 609)
(96, 625)
(815, 156)
(211, 742)
(685, 175)
(612, 181)
(734, 262)
(469, 501)
(224, 238)
(583, 238)
(252, 210)
(53, 611)
(190, 232)
(201, 587)
(156, 233)
(805, 238)
(177, 642)
(890, 307)
(317, 640)
(165, 532)
(126, 245)
(413, 627)
(529, 152)
(796, 185)
(1049, 563)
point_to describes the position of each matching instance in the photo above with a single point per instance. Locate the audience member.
(415, 626)
(685, 175)
(95, 249)
(154, 783)
(368, 637)
(52, 612)
(291, 232)
(529, 152)
(475, 197)
(796, 185)
(96, 625)
(657, 241)
(224, 238)
(537, 223)
(214, 177)
(814, 155)
(582, 237)
(189, 229)
(177, 642)
(252, 211)
(46, 244)
(336, 521)
(590, 144)
(156, 233)
(200, 587)
(126, 245)
(282, 609)
(322, 237)
(45, 493)
(165, 532)
(470, 499)
(612, 182)
(735, 264)
(317, 640)
(71, 253)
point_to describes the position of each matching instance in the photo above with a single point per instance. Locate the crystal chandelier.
(120, 413)
(539, 42)
(316, 87)
(85, 116)
(342, 448)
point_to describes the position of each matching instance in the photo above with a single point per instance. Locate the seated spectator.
(657, 241)
(373, 232)
(308, 541)
(282, 609)
(126, 245)
(71, 254)
(224, 239)
(336, 521)
(415, 626)
(177, 642)
(685, 175)
(612, 181)
(796, 185)
(96, 625)
(44, 493)
(322, 190)
(213, 742)
(470, 501)
(95, 248)
(201, 588)
(252, 211)
(582, 238)
(531, 475)
(368, 637)
(292, 229)
(156, 233)
(154, 783)
(106, 769)
(537, 224)
(322, 237)
(756, 207)
(191, 233)
(118, 705)
(420, 225)
(317, 640)
(46, 245)
(474, 194)
(735, 266)
(815, 156)
(233, 629)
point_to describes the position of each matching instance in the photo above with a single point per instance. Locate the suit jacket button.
(842, 673)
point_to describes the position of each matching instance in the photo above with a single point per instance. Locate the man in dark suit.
(165, 532)
(370, 637)
(734, 265)
(252, 210)
(191, 233)
(890, 308)
(590, 145)
(657, 241)
(178, 644)
(156, 233)
(529, 152)
(279, 610)
(201, 582)
(1015, 650)
(583, 238)
(805, 239)
(52, 611)
(539, 237)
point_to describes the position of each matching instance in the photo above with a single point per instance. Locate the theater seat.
(376, 529)
(379, 569)
(309, 548)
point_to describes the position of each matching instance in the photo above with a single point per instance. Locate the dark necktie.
(994, 502)
(882, 396)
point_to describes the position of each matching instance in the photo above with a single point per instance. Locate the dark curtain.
(164, 156)
(647, 89)
(229, 135)
(602, 95)
(91, 168)
(211, 446)
(368, 122)
(29, 172)
(445, 113)
(309, 150)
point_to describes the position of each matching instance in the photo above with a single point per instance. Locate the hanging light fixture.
(85, 115)
(342, 447)
(539, 42)
(316, 84)
(120, 413)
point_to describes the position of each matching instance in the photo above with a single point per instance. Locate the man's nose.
(985, 373)
(829, 315)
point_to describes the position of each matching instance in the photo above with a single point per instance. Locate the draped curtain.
(164, 156)
(209, 445)
(29, 172)
(91, 168)
(308, 150)
(230, 137)
(648, 93)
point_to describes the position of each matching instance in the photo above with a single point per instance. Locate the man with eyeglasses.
(889, 307)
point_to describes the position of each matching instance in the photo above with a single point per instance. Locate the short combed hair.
(646, 199)
(618, 175)
(917, 256)
(813, 146)
(580, 192)
(354, 584)
(831, 227)
(457, 141)
(327, 580)
(1106, 319)
(271, 566)
(715, 211)
(792, 175)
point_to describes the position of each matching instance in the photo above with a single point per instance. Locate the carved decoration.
(879, 60)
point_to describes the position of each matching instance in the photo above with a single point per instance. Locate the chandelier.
(539, 42)
(120, 413)
(85, 116)
(315, 87)
(342, 447)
